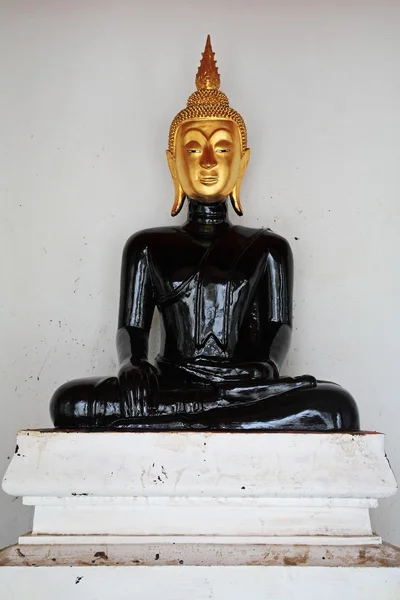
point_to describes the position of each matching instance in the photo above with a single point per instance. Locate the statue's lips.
(210, 180)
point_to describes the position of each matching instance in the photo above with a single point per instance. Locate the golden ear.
(235, 193)
(178, 200)
(235, 199)
(179, 193)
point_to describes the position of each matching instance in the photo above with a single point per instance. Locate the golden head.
(207, 153)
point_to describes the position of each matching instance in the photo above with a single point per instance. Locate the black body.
(224, 294)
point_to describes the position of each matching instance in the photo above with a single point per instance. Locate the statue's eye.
(222, 150)
(193, 151)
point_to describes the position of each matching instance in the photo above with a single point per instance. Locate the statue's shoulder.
(148, 238)
(269, 239)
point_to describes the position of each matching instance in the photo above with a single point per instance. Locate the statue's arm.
(276, 302)
(137, 304)
(266, 332)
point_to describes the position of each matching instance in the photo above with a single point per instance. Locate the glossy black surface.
(224, 294)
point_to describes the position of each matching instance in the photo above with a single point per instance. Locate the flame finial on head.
(207, 77)
(208, 101)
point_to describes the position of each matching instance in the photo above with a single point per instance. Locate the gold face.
(207, 154)
(208, 162)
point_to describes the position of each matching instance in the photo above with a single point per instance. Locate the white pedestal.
(213, 514)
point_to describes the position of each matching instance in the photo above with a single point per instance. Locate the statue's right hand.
(139, 388)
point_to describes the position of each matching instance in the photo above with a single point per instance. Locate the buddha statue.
(224, 294)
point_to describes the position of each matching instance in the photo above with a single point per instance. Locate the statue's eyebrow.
(195, 130)
(222, 129)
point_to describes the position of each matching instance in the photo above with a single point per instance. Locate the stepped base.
(266, 488)
(199, 516)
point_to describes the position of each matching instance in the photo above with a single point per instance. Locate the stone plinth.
(213, 514)
(278, 488)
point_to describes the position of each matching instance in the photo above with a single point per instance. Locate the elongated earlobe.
(179, 193)
(235, 193)
(235, 199)
(178, 200)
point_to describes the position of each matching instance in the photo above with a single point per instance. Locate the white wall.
(88, 90)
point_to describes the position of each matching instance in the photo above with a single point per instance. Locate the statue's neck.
(207, 214)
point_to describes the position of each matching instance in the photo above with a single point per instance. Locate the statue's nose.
(208, 158)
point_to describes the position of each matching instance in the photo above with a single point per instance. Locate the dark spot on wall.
(16, 449)
(157, 557)
(78, 579)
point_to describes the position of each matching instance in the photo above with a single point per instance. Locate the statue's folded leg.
(85, 403)
(321, 407)
(96, 402)
(306, 405)
(300, 404)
